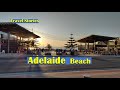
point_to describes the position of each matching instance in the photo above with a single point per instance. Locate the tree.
(49, 46)
(71, 43)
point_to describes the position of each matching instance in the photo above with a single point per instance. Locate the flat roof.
(16, 30)
(94, 38)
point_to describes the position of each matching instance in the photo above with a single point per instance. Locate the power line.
(49, 36)
(46, 35)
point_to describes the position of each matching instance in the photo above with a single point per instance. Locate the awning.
(95, 38)
(16, 30)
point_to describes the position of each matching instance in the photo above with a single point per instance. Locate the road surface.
(19, 65)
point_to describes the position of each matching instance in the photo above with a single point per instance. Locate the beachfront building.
(100, 44)
(14, 37)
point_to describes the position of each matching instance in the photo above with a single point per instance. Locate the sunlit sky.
(55, 27)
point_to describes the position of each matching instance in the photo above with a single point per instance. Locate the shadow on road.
(36, 68)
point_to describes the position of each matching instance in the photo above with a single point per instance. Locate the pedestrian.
(3, 51)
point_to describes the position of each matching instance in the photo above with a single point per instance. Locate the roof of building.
(16, 30)
(95, 38)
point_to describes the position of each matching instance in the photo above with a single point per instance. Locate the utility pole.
(32, 29)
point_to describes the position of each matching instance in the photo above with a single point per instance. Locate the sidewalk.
(17, 55)
(11, 55)
(113, 73)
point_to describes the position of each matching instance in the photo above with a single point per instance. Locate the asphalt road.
(19, 64)
(8, 65)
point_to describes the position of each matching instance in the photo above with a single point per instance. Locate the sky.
(55, 27)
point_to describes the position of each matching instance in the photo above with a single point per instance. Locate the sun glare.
(39, 40)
